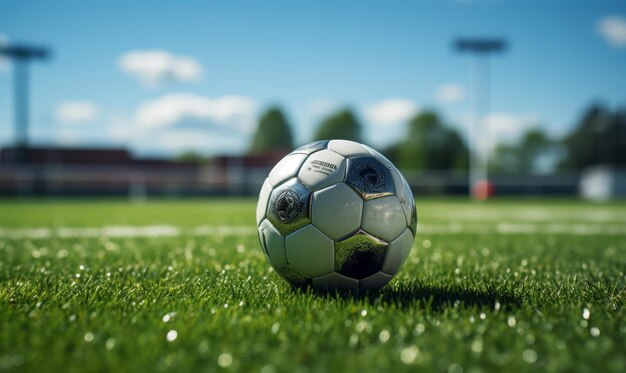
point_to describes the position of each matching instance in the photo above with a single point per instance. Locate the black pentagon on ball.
(288, 207)
(360, 255)
(293, 276)
(369, 177)
(311, 147)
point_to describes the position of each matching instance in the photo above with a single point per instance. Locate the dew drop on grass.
(203, 347)
(595, 332)
(166, 317)
(409, 354)
(275, 328)
(354, 340)
(529, 356)
(364, 313)
(455, 368)
(72, 318)
(88, 337)
(384, 336)
(477, 346)
(586, 314)
(225, 360)
(109, 344)
(269, 368)
(511, 321)
(171, 335)
(361, 326)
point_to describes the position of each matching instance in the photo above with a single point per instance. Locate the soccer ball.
(336, 214)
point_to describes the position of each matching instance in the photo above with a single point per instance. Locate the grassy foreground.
(183, 286)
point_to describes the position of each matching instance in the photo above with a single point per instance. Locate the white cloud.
(180, 109)
(155, 67)
(507, 127)
(450, 92)
(76, 112)
(390, 111)
(613, 30)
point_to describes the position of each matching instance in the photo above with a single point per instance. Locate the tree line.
(599, 137)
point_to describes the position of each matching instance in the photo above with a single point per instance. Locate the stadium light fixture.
(21, 56)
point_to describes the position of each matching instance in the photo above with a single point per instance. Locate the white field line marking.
(504, 228)
(581, 229)
(536, 215)
(126, 231)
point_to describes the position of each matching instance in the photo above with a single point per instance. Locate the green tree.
(273, 132)
(599, 138)
(340, 125)
(190, 156)
(429, 144)
(524, 155)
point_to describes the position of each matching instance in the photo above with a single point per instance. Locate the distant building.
(603, 183)
(114, 171)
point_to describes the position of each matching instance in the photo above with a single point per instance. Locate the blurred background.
(466, 97)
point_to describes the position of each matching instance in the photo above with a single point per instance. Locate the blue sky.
(163, 77)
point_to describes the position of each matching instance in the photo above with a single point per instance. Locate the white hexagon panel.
(311, 148)
(336, 210)
(404, 194)
(335, 280)
(347, 148)
(375, 281)
(321, 169)
(397, 252)
(264, 196)
(310, 252)
(287, 168)
(383, 218)
(273, 243)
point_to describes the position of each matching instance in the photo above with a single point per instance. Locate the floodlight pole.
(480, 48)
(21, 56)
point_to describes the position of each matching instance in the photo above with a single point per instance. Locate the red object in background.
(483, 189)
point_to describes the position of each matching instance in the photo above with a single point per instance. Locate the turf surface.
(112, 285)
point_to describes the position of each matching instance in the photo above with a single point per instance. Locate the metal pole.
(480, 137)
(474, 129)
(20, 83)
(21, 55)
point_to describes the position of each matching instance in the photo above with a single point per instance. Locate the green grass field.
(183, 286)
